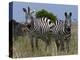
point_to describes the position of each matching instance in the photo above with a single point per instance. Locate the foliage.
(44, 13)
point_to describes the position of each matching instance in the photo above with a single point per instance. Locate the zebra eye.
(49, 22)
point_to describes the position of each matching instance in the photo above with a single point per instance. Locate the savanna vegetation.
(22, 43)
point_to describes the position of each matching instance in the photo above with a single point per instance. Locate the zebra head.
(68, 22)
(28, 16)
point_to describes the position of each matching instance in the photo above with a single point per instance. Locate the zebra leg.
(46, 43)
(32, 44)
(67, 40)
(58, 45)
(36, 43)
(67, 44)
(48, 48)
(62, 45)
(58, 42)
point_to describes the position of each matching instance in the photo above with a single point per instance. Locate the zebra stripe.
(58, 27)
(42, 25)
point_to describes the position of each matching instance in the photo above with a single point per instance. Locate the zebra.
(38, 27)
(67, 29)
(62, 32)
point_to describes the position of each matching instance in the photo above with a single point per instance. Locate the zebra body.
(38, 28)
(41, 25)
(62, 32)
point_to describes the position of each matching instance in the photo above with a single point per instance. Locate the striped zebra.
(62, 32)
(38, 28)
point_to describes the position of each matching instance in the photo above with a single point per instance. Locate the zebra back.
(42, 25)
(58, 27)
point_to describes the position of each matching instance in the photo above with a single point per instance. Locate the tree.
(44, 13)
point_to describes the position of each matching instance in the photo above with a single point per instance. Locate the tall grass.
(22, 46)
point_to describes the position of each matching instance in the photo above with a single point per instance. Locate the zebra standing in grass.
(62, 32)
(38, 28)
(67, 29)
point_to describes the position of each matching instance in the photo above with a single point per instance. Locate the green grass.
(22, 46)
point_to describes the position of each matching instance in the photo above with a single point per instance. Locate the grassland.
(22, 46)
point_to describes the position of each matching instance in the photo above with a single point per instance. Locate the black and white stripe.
(42, 25)
(58, 27)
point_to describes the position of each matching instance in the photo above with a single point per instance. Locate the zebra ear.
(66, 14)
(24, 10)
(70, 14)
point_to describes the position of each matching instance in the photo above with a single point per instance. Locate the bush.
(44, 13)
